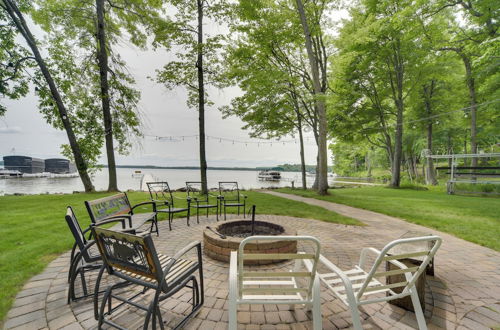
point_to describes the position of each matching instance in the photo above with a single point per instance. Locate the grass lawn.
(475, 219)
(34, 231)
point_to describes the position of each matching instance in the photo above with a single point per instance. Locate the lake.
(126, 180)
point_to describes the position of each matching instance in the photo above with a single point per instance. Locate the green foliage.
(70, 31)
(179, 32)
(363, 107)
(14, 60)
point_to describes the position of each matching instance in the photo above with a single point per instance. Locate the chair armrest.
(144, 203)
(115, 218)
(180, 253)
(343, 277)
(365, 251)
(160, 202)
(88, 245)
(233, 275)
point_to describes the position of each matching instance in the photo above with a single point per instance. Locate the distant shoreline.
(197, 168)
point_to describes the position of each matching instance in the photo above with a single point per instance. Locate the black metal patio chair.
(84, 259)
(134, 261)
(198, 200)
(161, 194)
(230, 196)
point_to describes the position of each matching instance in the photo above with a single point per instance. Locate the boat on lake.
(7, 174)
(269, 175)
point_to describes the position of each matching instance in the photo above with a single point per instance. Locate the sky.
(23, 131)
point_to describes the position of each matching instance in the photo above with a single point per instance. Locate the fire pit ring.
(219, 248)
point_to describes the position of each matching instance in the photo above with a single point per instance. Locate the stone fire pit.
(235, 231)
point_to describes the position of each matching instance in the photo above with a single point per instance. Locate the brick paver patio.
(464, 294)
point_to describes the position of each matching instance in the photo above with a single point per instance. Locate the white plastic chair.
(275, 287)
(355, 286)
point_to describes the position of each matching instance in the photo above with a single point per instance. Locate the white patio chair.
(275, 287)
(356, 287)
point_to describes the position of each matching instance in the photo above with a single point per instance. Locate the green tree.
(311, 20)
(265, 61)
(380, 51)
(17, 18)
(197, 60)
(14, 59)
(89, 30)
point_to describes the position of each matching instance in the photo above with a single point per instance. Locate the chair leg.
(74, 273)
(152, 310)
(170, 221)
(82, 278)
(316, 308)
(233, 311)
(225, 212)
(96, 292)
(198, 215)
(422, 325)
(103, 305)
(217, 211)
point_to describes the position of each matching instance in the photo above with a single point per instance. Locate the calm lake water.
(175, 178)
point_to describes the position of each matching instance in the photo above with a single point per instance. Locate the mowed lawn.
(33, 230)
(473, 218)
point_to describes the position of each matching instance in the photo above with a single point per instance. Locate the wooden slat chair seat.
(118, 207)
(179, 269)
(161, 194)
(357, 286)
(134, 260)
(198, 200)
(230, 196)
(291, 287)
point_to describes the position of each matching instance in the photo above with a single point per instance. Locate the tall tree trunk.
(473, 105)
(319, 104)
(397, 89)
(428, 94)
(302, 156)
(450, 148)
(102, 60)
(201, 100)
(18, 19)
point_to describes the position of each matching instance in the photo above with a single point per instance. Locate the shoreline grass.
(475, 219)
(34, 231)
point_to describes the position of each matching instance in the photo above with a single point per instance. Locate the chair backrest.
(77, 232)
(268, 279)
(193, 189)
(160, 191)
(422, 249)
(229, 190)
(127, 253)
(100, 209)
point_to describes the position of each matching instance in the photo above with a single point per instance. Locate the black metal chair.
(134, 260)
(229, 196)
(83, 259)
(161, 194)
(198, 200)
